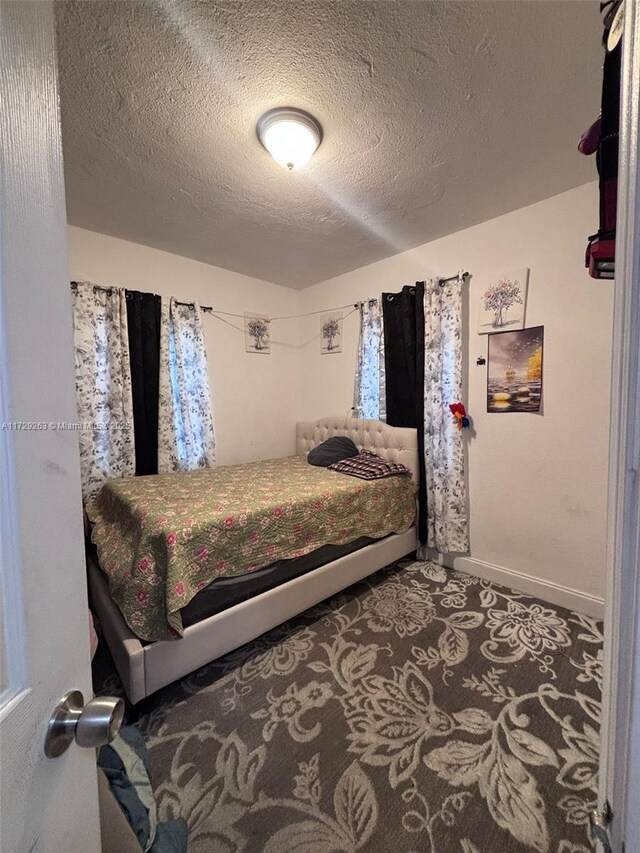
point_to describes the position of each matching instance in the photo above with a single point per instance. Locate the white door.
(47, 805)
(620, 731)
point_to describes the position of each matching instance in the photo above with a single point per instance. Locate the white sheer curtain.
(448, 530)
(186, 438)
(369, 388)
(103, 385)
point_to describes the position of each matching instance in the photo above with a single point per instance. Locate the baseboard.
(553, 593)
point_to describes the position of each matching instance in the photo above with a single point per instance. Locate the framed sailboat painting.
(514, 371)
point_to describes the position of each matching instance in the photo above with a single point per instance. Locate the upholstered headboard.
(397, 444)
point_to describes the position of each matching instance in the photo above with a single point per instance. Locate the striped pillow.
(368, 466)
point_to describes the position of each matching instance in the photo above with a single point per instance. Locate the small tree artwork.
(331, 333)
(257, 333)
(503, 302)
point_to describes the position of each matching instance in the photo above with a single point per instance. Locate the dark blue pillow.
(332, 450)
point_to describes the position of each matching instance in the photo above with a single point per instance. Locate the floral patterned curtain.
(186, 438)
(369, 394)
(443, 444)
(103, 385)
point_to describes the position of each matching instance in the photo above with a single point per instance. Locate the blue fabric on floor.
(171, 836)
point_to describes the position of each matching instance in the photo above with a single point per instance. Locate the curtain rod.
(210, 310)
(443, 281)
(207, 308)
(109, 291)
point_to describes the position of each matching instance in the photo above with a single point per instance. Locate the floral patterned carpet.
(422, 711)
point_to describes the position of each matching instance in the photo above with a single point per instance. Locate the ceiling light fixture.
(291, 136)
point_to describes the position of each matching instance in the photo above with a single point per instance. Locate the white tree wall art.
(503, 302)
(331, 332)
(257, 333)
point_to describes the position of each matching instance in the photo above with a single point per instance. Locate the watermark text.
(65, 426)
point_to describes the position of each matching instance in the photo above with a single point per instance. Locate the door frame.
(45, 805)
(619, 781)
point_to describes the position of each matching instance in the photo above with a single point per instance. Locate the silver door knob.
(92, 725)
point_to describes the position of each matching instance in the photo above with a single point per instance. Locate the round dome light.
(291, 136)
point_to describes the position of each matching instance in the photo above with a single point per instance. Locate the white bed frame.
(144, 669)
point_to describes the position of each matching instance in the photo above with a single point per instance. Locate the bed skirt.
(144, 669)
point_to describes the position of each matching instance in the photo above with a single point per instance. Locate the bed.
(234, 610)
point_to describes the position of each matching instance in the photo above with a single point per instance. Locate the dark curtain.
(403, 316)
(143, 317)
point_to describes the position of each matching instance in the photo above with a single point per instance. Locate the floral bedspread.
(161, 539)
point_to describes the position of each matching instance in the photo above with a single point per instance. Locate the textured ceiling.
(436, 115)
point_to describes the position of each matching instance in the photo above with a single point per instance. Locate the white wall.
(537, 482)
(254, 396)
